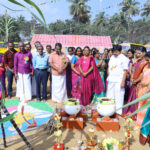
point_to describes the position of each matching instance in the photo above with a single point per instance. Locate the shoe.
(44, 100)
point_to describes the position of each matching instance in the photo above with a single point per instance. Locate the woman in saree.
(137, 68)
(76, 78)
(91, 81)
(145, 129)
(101, 65)
(143, 89)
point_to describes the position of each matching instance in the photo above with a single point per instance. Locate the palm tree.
(100, 22)
(80, 11)
(118, 26)
(146, 9)
(130, 8)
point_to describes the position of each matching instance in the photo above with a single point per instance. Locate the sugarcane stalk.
(3, 132)
(17, 129)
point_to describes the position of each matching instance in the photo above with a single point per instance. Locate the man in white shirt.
(117, 72)
(34, 53)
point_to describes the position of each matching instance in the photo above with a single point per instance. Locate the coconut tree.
(118, 26)
(146, 9)
(100, 22)
(130, 8)
(80, 11)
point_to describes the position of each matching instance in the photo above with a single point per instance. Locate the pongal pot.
(106, 107)
(72, 106)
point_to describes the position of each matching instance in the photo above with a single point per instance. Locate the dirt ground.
(40, 140)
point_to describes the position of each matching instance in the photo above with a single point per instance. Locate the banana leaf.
(144, 97)
(146, 105)
(7, 118)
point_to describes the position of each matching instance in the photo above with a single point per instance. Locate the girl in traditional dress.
(2, 75)
(137, 69)
(143, 89)
(91, 81)
(76, 77)
(101, 65)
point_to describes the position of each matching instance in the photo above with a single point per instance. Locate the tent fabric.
(73, 40)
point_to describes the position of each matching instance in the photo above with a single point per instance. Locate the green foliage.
(7, 118)
(80, 11)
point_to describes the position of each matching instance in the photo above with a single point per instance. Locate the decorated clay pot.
(106, 107)
(72, 107)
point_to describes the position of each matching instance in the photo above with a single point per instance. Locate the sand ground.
(40, 140)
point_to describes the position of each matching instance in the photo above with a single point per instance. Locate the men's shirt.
(58, 61)
(41, 62)
(117, 66)
(34, 52)
(23, 62)
(9, 58)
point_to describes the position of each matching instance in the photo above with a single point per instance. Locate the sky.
(60, 9)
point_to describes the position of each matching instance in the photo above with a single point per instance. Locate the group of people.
(84, 74)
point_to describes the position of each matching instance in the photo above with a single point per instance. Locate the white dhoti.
(59, 89)
(33, 86)
(115, 92)
(24, 87)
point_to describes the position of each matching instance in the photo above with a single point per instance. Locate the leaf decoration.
(17, 3)
(146, 105)
(10, 8)
(36, 7)
(144, 97)
(43, 22)
(7, 118)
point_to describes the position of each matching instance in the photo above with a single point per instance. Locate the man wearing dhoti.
(58, 62)
(117, 71)
(23, 71)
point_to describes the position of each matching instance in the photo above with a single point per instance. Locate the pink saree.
(76, 80)
(92, 83)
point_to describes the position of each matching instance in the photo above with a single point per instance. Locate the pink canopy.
(73, 40)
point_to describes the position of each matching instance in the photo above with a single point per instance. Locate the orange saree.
(143, 89)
